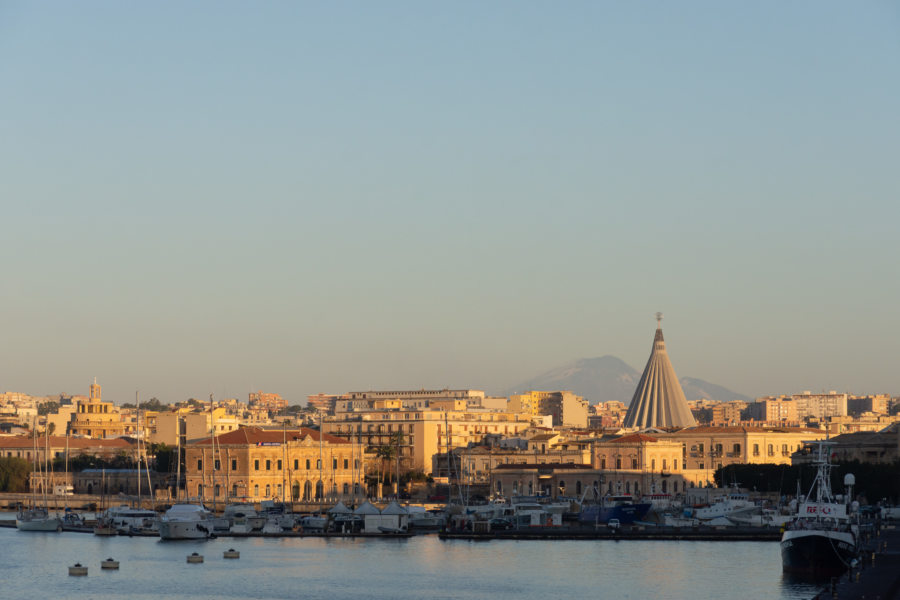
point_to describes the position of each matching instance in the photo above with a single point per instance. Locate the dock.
(877, 576)
(698, 534)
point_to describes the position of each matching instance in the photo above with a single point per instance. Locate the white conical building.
(659, 400)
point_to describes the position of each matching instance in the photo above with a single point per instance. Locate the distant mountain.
(610, 378)
(695, 389)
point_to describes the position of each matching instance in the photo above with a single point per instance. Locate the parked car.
(500, 523)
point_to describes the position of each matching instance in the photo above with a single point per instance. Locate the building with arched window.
(256, 464)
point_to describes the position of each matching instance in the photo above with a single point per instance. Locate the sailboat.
(37, 518)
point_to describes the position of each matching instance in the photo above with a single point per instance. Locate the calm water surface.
(35, 565)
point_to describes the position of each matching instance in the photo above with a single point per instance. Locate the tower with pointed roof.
(659, 400)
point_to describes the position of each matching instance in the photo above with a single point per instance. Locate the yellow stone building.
(95, 418)
(425, 432)
(256, 464)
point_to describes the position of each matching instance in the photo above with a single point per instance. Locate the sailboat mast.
(178, 456)
(137, 403)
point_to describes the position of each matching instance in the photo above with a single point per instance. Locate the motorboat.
(823, 538)
(313, 522)
(185, 522)
(239, 518)
(734, 502)
(419, 518)
(125, 519)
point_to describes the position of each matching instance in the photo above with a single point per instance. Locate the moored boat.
(185, 522)
(823, 539)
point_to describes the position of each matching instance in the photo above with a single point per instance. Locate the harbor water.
(35, 565)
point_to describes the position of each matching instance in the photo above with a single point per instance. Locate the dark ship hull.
(817, 554)
(625, 513)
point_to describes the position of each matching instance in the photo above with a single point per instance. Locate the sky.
(308, 198)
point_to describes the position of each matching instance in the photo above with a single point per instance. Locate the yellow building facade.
(257, 464)
(95, 418)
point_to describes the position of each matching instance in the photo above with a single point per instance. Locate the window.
(665, 464)
(318, 463)
(296, 464)
(217, 491)
(256, 490)
(268, 490)
(603, 463)
(334, 463)
(719, 449)
(268, 467)
(784, 450)
(346, 463)
(217, 466)
(755, 449)
(234, 490)
(307, 464)
(278, 465)
(736, 449)
(771, 449)
(700, 448)
(256, 465)
(200, 464)
(634, 463)
(652, 464)
(234, 466)
(618, 463)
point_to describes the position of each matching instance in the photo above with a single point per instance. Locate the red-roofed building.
(23, 447)
(260, 464)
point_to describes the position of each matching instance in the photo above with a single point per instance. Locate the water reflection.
(394, 569)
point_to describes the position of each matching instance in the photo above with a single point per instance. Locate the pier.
(876, 576)
(700, 534)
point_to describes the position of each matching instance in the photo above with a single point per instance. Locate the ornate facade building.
(95, 418)
(256, 464)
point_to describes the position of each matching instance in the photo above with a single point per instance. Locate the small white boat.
(185, 522)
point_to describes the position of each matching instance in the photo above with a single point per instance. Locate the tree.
(14, 474)
(151, 404)
(45, 408)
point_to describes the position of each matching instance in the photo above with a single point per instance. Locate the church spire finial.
(659, 318)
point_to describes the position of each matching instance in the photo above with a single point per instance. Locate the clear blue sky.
(323, 197)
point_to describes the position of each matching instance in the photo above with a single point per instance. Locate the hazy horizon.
(304, 198)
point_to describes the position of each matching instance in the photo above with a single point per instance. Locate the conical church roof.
(659, 400)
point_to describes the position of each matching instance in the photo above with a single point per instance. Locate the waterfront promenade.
(878, 575)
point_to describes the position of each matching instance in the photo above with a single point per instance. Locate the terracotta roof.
(634, 438)
(57, 441)
(252, 436)
(512, 466)
(744, 429)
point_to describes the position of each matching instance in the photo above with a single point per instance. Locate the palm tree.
(385, 453)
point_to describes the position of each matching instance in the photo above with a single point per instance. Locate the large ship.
(822, 540)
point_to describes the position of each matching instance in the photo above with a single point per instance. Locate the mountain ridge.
(606, 378)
